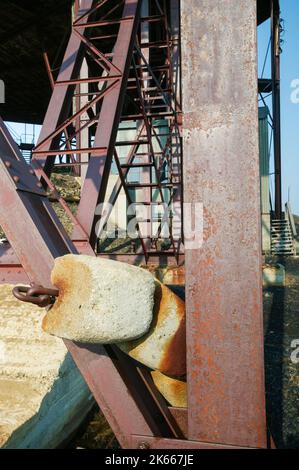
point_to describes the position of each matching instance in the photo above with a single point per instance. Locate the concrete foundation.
(274, 276)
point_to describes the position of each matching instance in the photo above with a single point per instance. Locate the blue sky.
(289, 110)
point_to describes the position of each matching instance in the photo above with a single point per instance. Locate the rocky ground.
(95, 433)
(69, 188)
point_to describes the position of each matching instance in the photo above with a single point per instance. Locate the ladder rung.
(161, 135)
(149, 89)
(148, 107)
(145, 154)
(107, 36)
(159, 253)
(131, 142)
(150, 98)
(150, 203)
(136, 165)
(96, 24)
(156, 68)
(152, 19)
(149, 221)
(154, 45)
(149, 185)
(142, 185)
(140, 116)
(78, 81)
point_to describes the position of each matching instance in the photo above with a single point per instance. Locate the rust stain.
(69, 276)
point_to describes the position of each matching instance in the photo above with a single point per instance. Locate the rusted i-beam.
(226, 393)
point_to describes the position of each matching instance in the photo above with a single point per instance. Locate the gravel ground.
(95, 433)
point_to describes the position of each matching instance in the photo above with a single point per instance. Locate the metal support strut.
(226, 395)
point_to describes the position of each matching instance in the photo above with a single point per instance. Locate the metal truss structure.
(271, 86)
(120, 84)
(110, 74)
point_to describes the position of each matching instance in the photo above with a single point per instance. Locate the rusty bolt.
(16, 179)
(39, 185)
(143, 445)
(7, 164)
(31, 172)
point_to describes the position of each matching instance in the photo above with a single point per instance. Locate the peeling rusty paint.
(223, 279)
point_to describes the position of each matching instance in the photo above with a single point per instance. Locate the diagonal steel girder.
(96, 181)
(57, 117)
(61, 99)
(123, 391)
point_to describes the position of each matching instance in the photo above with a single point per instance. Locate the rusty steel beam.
(275, 53)
(226, 399)
(101, 114)
(58, 115)
(97, 174)
(60, 103)
(37, 237)
(146, 443)
(14, 271)
(226, 392)
(13, 274)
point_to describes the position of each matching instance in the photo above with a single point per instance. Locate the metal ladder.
(118, 73)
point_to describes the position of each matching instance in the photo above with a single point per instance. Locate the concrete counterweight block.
(163, 348)
(274, 275)
(108, 302)
(174, 390)
(100, 301)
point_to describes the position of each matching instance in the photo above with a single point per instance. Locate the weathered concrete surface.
(168, 275)
(163, 348)
(43, 398)
(221, 172)
(274, 275)
(175, 391)
(101, 301)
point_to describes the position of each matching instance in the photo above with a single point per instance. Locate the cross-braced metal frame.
(225, 399)
(119, 76)
(271, 86)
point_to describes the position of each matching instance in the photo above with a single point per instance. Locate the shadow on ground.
(281, 318)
